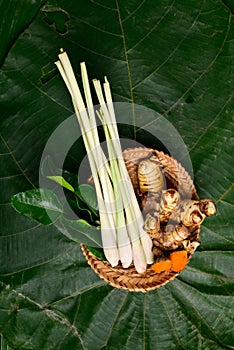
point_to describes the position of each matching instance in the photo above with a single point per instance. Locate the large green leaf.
(40, 204)
(15, 17)
(43, 206)
(175, 57)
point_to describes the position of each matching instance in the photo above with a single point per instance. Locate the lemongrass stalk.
(101, 164)
(108, 229)
(133, 230)
(91, 112)
(139, 221)
(99, 156)
(138, 254)
(123, 241)
(145, 239)
(107, 222)
(139, 258)
(133, 213)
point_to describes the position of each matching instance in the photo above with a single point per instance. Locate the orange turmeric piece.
(160, 266)
(178, 260)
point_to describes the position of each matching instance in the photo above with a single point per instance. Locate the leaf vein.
(115, 319)
(80, 292)
(128, 68)
(151, 30)
(10, 176)
(204, 72)
(48, 312)
(210, 125)
(172, 52)
(94, 52)
(218, 234)
(170, 320)
(20, 232)
(133, 12)
(99, 29)
(38, 88)
(101, 5)
(200, 316)
(16, 161)
(225, 193)
(122, 97)
(220, 278)
(42, 263)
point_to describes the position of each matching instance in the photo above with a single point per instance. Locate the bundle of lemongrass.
(123, 237)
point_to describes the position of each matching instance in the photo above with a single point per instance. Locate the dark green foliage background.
(173, 56)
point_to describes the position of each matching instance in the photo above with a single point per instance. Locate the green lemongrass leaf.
(80, 231)
(41, 205)
(61, 181)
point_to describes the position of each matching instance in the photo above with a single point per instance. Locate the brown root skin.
(207, 207)
(171, 237)
(169, 201)
(193, 217)
(190, 247)
(150, 202)
(150, 176)
(151, 224)
(193, 212)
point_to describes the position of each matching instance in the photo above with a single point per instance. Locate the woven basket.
(176, 177)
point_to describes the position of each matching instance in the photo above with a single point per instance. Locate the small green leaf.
(87, 194)
(61, 181)
(80, 231)
(84, 203)
(50, 169)
(39, 204)
(72, 178)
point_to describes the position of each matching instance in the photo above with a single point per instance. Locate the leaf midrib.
(16, 161)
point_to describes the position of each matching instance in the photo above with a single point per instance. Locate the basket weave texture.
(177, 178)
